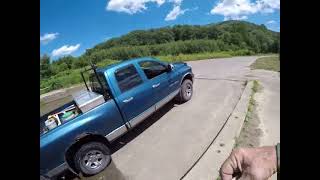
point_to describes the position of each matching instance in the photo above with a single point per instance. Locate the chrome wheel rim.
(188, 90)
(93, 159)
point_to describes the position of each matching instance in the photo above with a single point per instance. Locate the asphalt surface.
(167, 145)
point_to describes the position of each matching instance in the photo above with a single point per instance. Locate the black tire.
(186, 91)
(92, 158)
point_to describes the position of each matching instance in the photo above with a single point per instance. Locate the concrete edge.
(209, 165)
(242, 106)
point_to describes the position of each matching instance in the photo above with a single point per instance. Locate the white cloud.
(174, 13)
(107, 38)
(273, 4)
(130, 6)
(271, 22)
(273, 25)
(240, 18)
(274, 28)
(46, 38)
(177, 2)
(65, 50)
(136, 6)
(240, 9)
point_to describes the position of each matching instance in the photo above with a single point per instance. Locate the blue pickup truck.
(77, 136)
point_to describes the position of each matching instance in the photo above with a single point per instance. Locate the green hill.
(229, 37)
(243, 29)
(188, 39)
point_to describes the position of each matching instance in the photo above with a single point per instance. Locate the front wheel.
(186, 91)
(92, 158)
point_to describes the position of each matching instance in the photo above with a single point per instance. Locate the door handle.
(155, 85)
(128, 100)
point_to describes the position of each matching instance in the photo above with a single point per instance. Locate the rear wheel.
(186, 91)
(92, 158)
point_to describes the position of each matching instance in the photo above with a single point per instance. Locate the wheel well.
(79, 142)
(188, 76)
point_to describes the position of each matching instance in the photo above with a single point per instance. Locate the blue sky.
(71, 27)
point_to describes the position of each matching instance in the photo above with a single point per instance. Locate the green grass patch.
(252, 102)
(271, 63)
(255, 88)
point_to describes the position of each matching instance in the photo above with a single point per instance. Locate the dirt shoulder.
(251, 132)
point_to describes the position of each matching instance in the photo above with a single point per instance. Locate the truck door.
(158, 79)
(174, 79)
(135, 98)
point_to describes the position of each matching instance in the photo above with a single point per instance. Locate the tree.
(45, 69)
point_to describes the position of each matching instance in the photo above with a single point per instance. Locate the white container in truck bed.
(87, 100)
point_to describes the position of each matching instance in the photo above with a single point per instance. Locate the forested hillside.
(239, 37)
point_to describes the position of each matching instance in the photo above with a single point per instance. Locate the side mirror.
(169, 67)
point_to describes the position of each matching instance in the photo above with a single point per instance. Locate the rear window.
(96, 87)
(127, 78)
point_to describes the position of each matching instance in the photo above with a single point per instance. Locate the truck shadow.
(134, 132)
(111, 172)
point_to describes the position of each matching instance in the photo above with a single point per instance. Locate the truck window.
(152, 68)
(95, 86)
(127, 78)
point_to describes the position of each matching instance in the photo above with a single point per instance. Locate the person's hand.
(250, 163)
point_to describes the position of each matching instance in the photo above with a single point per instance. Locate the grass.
(255, 88)
(252, 102)
(271, 63)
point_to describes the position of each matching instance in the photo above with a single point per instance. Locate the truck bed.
(45, 117)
